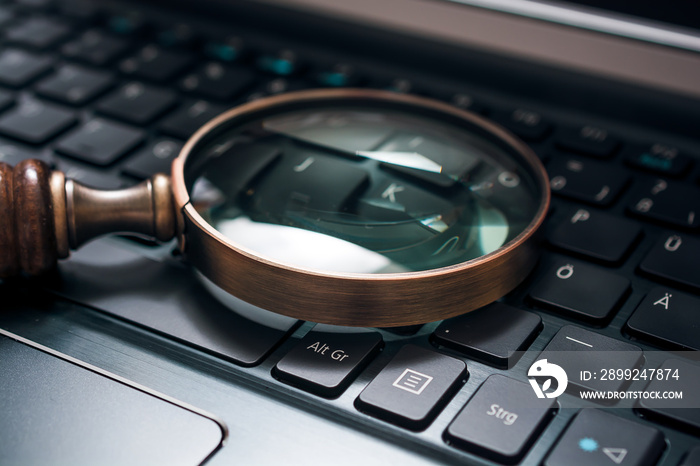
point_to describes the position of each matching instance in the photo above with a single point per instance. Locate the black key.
(128, 23)
(80, 12)
(137, 103)
(465, 102)
(658, 158)
(227, 49)
(185, 121)
(598, 235)
(597, 438)
(587, 140)
(692, 458)
(12, 153)
(277, 86)
(156, 64)
(413, 387)
(393, 199)
(325, 363)
(247, 162)
(7, 16)
(100, 142)
(501, 420)
(39, 33)
(670, 202)
(282, 63)
(89, 176)
(217, 81)
(440, 153)
(179, 35)
(6, 100)
(399, 85)
(674, 376)
(587, 181)
(75, 85)
(524, 123)
(581, 290)
(34, 5)
(35, 122)
(495, 334)
(674, 258)
(668, 317)
(304, 182)
(338, 75)
(19, 68)
(96, 47)
(157, 157)
(580, 351)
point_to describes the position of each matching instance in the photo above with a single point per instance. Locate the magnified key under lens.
(347, 207)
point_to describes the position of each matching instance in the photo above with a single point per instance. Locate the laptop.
(124, 355)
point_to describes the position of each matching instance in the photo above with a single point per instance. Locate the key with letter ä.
(669, 318)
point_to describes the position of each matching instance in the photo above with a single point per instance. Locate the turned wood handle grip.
(43, 215)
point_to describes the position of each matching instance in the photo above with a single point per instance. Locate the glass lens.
(371, 187)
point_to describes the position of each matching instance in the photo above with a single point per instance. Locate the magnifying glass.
(349, 207)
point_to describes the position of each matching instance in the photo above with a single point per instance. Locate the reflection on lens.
(350, 188)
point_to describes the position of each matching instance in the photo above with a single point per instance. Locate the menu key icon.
(412, 381)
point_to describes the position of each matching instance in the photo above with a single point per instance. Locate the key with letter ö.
(582, 290)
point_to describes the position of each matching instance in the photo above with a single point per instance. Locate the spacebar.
(167, 299)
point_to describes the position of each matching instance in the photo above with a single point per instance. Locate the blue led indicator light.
(588, 444)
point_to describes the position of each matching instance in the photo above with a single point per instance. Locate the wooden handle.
(44, 215)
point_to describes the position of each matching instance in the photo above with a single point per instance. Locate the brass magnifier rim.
(357, 299)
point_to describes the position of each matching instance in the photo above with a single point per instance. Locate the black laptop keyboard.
(110, 96)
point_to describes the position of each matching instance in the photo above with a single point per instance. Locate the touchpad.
(54, 411)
